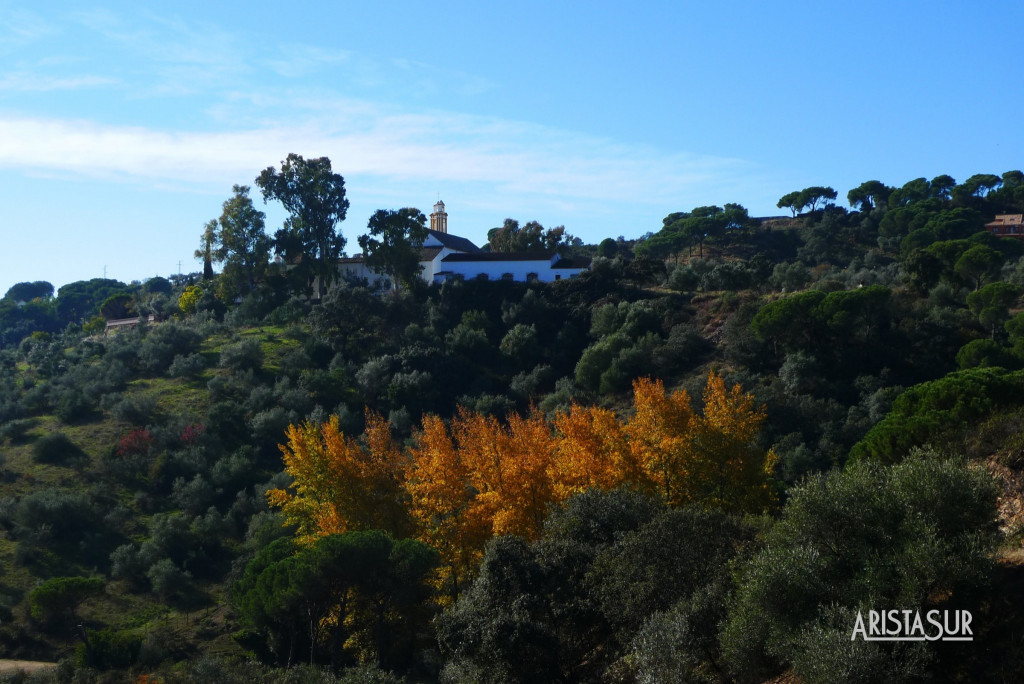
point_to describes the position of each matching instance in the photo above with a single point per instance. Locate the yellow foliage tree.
(660, 440)
(459, 485)
(508, 469)
(442, 502)
(590, 450)
(340, 485)
(731, 471)
(710, 459)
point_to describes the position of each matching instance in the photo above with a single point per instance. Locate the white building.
(444, 256)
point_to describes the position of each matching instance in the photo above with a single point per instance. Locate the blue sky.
(123, 127)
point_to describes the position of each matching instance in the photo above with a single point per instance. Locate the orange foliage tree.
(710, 459)
(340, 485)
(590, 450)
(464, 482)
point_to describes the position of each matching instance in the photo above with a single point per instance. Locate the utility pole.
(104, 271)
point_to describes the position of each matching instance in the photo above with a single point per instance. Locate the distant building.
(445, 257)
(1007, 225)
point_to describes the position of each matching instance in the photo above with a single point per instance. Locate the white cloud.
(511, 158)
(19, 27)
(302, 60)
(26, 81)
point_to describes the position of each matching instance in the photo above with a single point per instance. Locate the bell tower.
(439, 219)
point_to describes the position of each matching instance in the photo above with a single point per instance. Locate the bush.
(917, 535)
(137, 409)
(166, 341)
(242, 356)
(15, 430)
(64, 514)
(187, 366)
(72, 406)
(56, 448)
(109, 650)
(167, 579)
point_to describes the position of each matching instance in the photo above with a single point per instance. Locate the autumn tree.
(477, 477)
(508, 466)
(339, 483)
(710, 459)
(442, 502)
(590, 450)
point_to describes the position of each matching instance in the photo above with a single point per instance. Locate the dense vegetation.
(695, 462)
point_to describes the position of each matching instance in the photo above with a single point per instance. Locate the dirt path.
(11, 666)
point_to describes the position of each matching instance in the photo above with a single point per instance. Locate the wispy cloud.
(26, 81)
(20, 27)
(511, 158)
(302, 60)
(166, 55)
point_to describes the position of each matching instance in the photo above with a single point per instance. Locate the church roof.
(455, 242)
(572, 262)
(428, 253)
(501, 256)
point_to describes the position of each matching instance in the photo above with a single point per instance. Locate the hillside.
(866, 359)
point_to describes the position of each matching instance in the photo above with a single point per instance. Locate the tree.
(59, 598)
(359, 595)
(798, 200)
(918, 535)
(810, 197)
(82, 299)
(978, 185)
(991, 304)
(566, 607)
(189, 300)
(314, 197)
(120, 305)
(978, 263)
(912, 191)
(790, 201)
(532, 237)
(242, 245)
(339, 484)
(868, 195)
(941, 186)
(710, 459)
(26, 292)
(207, 245)
(393, 244)
(608, 248)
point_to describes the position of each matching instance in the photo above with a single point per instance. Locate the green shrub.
(56, 448)
(186, 366)
(109, 650)
(242, 356)
(916, 535)
(15, 430)
(936, 412)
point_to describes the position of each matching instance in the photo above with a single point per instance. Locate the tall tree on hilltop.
(315, 199)
(868, 195)
(242, 244)
(207, 245)
(393, 244)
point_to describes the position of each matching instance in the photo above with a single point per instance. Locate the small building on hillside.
(1007, 225)
(444, 257)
